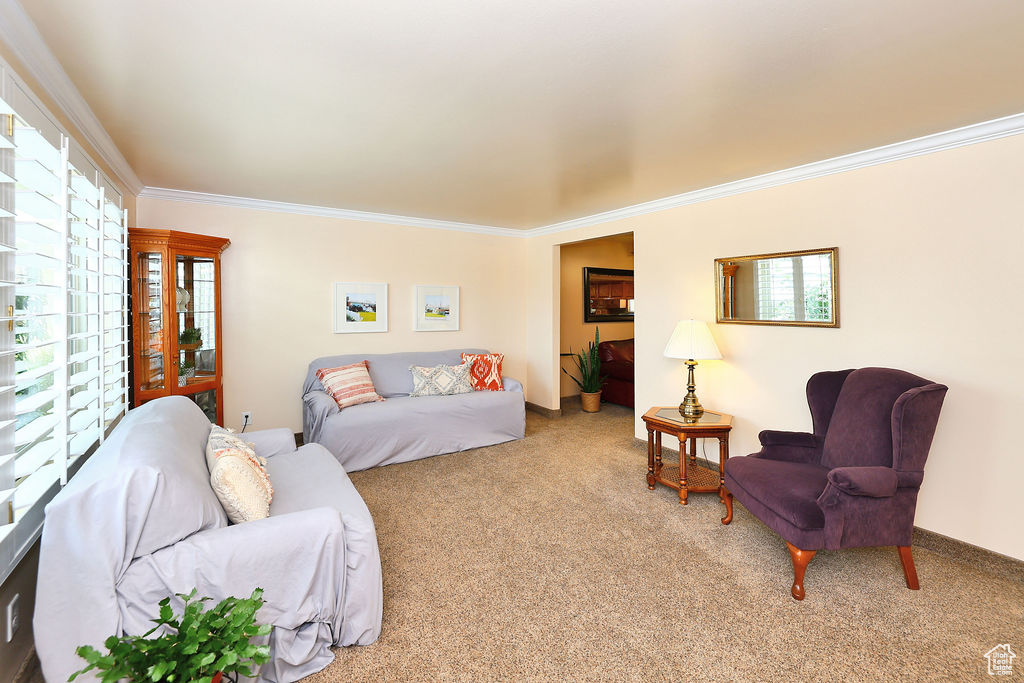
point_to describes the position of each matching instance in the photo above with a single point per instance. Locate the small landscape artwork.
(360, 307)
(437, 308)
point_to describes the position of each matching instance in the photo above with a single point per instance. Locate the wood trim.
(550, 413)
(183, 241)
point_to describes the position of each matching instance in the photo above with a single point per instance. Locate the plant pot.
(591, 401)
(190, 347)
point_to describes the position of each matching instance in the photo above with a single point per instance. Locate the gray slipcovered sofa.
(402, 427)
(140, 522)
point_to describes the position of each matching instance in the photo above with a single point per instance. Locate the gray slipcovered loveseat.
(403, 427)
(140, 522)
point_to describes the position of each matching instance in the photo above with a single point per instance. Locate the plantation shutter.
(63, 321)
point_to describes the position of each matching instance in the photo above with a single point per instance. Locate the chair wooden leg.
(909, 572)
(727, 499)
(800, 560)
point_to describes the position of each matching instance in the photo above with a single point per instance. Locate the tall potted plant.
(589, 365)
(202, 646)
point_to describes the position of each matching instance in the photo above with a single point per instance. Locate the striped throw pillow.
(349, 385)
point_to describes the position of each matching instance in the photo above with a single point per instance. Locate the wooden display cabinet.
(176, 321)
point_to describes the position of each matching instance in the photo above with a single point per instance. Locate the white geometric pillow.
(443, 380)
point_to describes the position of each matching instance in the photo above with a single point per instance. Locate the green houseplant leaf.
(588, 363)
(192, 648)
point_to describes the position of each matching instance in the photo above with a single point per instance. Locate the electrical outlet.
(12, 617)
(246, 418)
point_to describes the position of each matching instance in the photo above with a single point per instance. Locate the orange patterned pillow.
(486, 372)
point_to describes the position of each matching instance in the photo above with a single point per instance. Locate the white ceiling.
(521, 113)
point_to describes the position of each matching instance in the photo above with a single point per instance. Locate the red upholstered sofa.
(617, 371)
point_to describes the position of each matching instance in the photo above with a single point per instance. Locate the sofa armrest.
(270, 442)
(511, 384)
(320, 403)
(876, 482)
(790, 446)
(233, 560)
(317, 406)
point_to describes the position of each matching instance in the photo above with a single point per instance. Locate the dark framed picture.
(607, 295)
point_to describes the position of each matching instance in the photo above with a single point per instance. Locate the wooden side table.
(687, 476)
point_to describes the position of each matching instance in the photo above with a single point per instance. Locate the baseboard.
(986, 560)
(30, 670)
(550, 413)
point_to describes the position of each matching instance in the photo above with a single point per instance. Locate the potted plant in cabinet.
(589, 366)
(190, 339)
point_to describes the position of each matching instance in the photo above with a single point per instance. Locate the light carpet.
(549, 559)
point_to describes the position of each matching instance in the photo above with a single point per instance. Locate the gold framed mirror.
(786, 288)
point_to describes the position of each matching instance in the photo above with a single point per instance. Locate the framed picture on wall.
(437, 308)
(608, 295)
(360, 307)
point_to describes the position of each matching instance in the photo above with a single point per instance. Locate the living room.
(910, 167)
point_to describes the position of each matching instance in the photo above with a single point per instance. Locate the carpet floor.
(548, 559)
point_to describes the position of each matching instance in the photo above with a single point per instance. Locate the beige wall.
(277, 295)
(929, 282)
(574, 333)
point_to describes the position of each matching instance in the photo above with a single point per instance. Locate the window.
(63, 328)
(798, 288)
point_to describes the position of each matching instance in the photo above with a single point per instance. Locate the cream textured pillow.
(237, 476)
(241, 484)
(443, 380)
(220, 438)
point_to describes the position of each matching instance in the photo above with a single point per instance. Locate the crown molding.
(19, 33)
(928, 144)
(937, 142)
(323, 211)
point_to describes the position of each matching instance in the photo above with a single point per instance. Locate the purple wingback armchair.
(854, 481)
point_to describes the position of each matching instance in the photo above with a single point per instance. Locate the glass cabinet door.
(150, 321)
(195, 306)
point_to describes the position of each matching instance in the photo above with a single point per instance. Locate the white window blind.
(798, 288)
(63, 335)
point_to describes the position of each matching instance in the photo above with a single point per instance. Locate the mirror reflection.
(789, 288)
(607, 295)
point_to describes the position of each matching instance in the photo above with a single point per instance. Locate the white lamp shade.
(692, 340)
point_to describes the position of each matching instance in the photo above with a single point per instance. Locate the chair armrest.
(790, 446)
(876, 482)
(270, 442)
(511, 384)
(798, 439)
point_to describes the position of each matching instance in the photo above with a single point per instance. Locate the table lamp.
(692, 341)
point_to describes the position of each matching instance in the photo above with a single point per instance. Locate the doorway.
(607, 307)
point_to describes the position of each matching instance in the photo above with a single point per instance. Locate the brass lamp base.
(690, 408)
